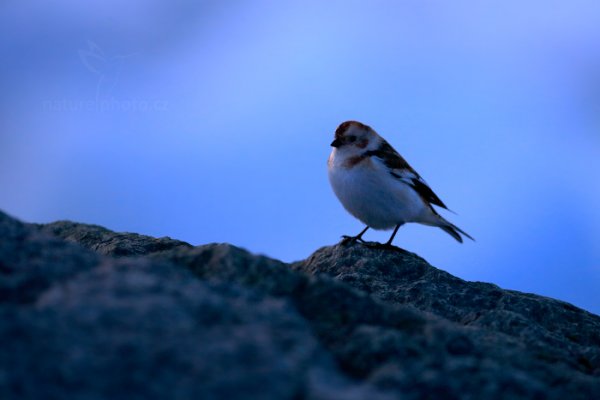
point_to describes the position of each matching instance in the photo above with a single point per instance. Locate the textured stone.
(106, 242)
(399, 277)
(31, 262)
(215, 321)
(135, 328)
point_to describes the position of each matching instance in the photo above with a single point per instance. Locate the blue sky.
(211, 122)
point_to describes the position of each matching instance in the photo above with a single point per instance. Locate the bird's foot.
(351, 239)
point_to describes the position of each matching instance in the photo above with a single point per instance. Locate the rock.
(135, 328)
(31, 262)
(538, 340)
(403, 278)
(131, 316)
(106, 242)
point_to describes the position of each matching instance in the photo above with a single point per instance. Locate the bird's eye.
(351, 139)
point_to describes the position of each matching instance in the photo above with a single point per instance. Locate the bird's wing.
(401, 170)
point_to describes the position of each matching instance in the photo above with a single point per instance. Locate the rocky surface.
(87, 313)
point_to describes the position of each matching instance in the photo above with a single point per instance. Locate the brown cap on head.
(341, 137)
(343, 127)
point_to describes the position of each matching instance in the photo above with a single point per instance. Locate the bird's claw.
(351, 239)
(372, 245)
(354, 239)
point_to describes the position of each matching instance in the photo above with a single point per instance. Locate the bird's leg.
(389, 242)
(359, 236)
(355, 238)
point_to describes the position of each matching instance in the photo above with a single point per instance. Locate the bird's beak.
(336, 143)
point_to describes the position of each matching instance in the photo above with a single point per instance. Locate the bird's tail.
(453, 230)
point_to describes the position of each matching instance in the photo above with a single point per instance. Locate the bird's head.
(353, 137)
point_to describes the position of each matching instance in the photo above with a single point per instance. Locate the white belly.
(375, 197)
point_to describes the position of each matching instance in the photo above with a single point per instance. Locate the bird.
(377, 186)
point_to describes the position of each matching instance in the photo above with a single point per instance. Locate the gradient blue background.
(211, 122)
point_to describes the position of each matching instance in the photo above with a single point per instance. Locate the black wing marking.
(426, 193)
(390, 157)
(400, 169)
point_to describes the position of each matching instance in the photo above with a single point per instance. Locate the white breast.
(370, 193)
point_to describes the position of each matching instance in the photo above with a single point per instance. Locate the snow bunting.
(376, 185)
